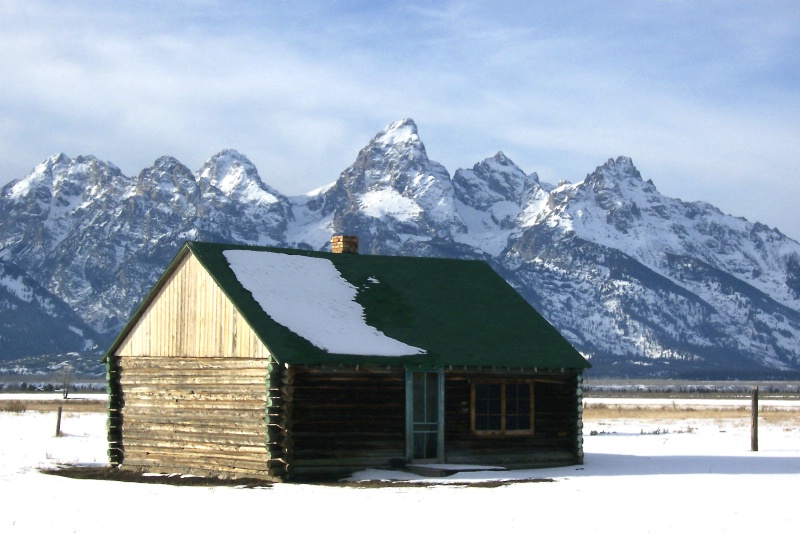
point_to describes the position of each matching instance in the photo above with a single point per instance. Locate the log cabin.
(283, 364)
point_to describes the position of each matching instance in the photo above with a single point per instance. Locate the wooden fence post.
(58, 422)
(754, 422)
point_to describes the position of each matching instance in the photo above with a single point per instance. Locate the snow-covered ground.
(654, 475)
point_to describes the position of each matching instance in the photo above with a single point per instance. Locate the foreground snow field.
(640, 475)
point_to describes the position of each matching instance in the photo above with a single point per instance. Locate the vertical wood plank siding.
(555, 438)
(345, 419)
(192, 317)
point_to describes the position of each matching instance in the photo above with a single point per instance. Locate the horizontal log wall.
(347, 419)
(556, 416)
(190, 316)
(114, 422)
(280, 386)
(194, 415)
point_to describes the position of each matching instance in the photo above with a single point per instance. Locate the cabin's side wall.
(194, 415)
(347, 418)
(556, 438)
(189, 386)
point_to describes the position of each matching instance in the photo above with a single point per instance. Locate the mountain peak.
(230, 153)
(500, 163)
(60, 175)
(234, 174)
(166, 161)
(168, 180)
(495, 179)
(228, 170)
(501, 159)
(621, 167)
(395, 157)
(60, 157)
(398, 133)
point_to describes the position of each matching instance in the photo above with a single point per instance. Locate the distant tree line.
(694, 388)
(24, 386)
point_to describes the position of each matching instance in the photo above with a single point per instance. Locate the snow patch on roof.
(311, 298)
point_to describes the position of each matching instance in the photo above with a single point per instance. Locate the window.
(502, 408)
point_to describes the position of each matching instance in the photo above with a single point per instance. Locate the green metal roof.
(459, 312)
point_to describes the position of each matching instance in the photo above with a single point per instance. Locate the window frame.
(502, 432)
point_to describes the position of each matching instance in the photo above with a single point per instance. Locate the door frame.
(410, 415)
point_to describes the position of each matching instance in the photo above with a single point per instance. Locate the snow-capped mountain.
(491, 199)
(97, 238)
(236, 205)
(27, 310)
(639, 282)
(393, 195)
(656, 282)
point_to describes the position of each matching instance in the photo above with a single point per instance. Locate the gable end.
(190, 316)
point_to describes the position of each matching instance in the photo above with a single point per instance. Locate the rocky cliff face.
(667, 284)
(393, 196)
(639, 282)
(34, 322)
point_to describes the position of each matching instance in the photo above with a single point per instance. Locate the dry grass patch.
(46, 406)
(679, 412)
(13, 406)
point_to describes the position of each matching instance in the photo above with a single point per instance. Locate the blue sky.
(703, 96)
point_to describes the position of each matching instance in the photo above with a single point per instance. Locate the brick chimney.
(344, 244)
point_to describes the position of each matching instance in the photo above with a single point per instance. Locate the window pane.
(419, 396)
(432, 397)
(524, 405)
(481, 399)
(511, 406)
(426, 397)
(511, 390)
(481, 392)
(523, 421)
(494, 391)
(494, 407)
(425, 445)
(501, 407)
(511, 423)
(524, 400)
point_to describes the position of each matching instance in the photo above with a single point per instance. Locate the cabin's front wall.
(345, 419)
(188, 386)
